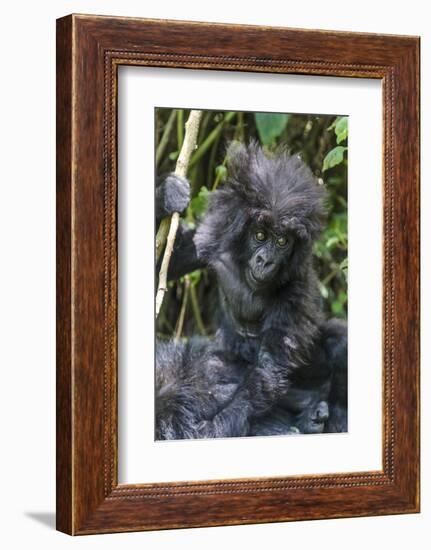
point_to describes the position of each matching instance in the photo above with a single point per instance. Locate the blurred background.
(321, 141)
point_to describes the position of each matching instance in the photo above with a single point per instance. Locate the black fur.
(337, 357)
(273, 343)
(172, 195)
(194, 382)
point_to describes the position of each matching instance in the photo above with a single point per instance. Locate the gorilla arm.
(284, 346)
(173, 195)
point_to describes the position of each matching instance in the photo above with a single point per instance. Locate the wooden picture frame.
(89, 51)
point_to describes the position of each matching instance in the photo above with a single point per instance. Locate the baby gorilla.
(257, 237)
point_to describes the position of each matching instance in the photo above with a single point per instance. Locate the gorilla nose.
(263, 262)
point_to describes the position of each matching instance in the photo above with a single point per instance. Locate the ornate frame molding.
(89, 498)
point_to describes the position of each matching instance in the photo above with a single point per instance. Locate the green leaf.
(331, 241)
(199, 204)
(337, 308)
(221, 172)
(270, 126)
(341, 129)
(195, 276)
(173, 155)
(334, 157)
(332, 126)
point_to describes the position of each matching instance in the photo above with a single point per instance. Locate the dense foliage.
(320, 140)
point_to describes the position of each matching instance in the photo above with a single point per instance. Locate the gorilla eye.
(282, 241)
(260, 236)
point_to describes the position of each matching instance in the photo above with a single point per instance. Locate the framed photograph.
(237, 274)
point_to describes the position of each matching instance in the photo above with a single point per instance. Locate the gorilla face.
(266, 216)
(309, 406)
(269, 249)
(312, 419)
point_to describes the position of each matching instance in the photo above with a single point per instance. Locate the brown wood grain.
(64, 496)
(89, 51)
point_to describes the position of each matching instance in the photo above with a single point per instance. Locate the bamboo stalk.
(180, 322)
(189, 145)
(165, 138)
(197, 311)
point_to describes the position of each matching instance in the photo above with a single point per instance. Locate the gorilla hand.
(172, 195)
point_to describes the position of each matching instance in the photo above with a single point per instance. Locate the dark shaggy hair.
(277, 190)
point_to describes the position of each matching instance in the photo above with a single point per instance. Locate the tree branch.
(189, 145)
